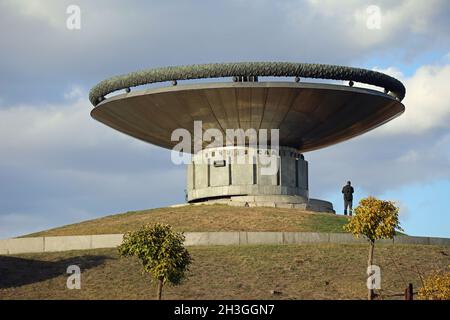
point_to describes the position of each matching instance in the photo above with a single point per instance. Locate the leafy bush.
(374, 219)
(161, 252)
(436, 286)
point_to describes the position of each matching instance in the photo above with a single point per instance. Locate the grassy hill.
(308, 271)
(208, 218)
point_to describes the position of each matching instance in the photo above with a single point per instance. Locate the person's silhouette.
(347, 190)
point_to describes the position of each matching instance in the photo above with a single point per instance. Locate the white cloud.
(53, 12)
(75, 92)
(404, 211)
(45, 134)
(391, 71)
(427, 100)
(398, 19)
(58, 166)
(181, 32)
(408, 29)
(28, 130)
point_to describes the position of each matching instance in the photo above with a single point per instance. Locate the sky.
(59, 166)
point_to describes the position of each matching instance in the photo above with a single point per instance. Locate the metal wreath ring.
(274, 69)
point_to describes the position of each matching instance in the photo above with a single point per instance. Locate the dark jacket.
(348, 192)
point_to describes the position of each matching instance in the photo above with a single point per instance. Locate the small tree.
(161, 252)
(436, 286)
(375, 219)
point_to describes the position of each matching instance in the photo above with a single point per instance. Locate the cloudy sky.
(59, 166)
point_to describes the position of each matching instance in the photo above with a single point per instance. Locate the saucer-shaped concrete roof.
(309, 115)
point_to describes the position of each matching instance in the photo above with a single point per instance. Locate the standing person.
(347, 190)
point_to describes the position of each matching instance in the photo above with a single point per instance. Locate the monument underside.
(309, 116)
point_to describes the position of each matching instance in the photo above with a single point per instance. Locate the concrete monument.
(308, 116)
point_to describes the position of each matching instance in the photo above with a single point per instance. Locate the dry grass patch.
(316, 271)
(207, 218)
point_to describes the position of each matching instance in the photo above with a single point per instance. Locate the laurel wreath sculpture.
(263, 69)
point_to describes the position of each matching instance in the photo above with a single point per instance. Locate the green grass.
(310, 271)
(208, 218)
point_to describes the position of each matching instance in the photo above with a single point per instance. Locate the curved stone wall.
(216, 173)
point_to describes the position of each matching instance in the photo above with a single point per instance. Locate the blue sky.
(59, 166)
(423, 207)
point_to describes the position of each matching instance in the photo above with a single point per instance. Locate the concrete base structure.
(276, 202)
(250, 176)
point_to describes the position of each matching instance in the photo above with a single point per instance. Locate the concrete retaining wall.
(62, 243)
(66, 243)
(22, 245)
